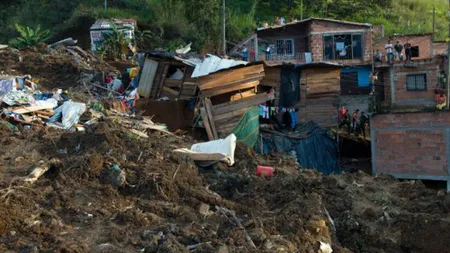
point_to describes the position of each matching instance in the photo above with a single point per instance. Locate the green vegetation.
(177, 22)
(29, 37)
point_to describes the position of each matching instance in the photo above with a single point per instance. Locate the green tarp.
(247, 130)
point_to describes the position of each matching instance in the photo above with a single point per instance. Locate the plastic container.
(264, 171)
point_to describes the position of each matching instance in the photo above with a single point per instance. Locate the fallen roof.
(203, 65)
(214, 64)
(312, 19)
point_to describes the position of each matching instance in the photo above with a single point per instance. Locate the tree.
(30, 37)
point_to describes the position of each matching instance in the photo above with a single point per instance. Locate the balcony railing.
(298, 58)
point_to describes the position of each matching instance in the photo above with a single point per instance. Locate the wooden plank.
(33, 109)
(229, 76)
(232, 114)
(208, 107)
(242, 103)
(173, 82)
(171, 91)
(163, 79)
(147, 77)
(218, 91)
(206, 124)
(241, 81)
(182, 81)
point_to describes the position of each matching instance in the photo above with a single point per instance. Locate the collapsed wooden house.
(225, 90)
(165, 75)
(226, 96)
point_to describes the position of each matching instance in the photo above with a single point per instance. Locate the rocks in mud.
(114, 176)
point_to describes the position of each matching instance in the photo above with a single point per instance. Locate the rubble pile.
(95, 180)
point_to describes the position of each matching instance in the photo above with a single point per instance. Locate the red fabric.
(342, 114)
(108, 80)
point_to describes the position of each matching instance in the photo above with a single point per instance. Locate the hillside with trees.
(176, 22)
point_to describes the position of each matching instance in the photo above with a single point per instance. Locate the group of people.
(250, 54)
(354, 123)
(394, 52)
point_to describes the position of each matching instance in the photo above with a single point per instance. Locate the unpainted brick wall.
(411, 144)
(316, 40)
(423, 41)
(402, 95)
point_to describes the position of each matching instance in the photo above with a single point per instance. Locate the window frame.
(333, 36)
(415, 82)
(284, 40)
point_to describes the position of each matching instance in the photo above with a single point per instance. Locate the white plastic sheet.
(218, 150)
(70, 113)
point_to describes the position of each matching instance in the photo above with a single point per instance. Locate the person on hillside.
(442, 102)
(278, 21)
(346, 121)
(355, 120)
(398, 51)
(389, 51)
(363, 121)
(408, 52)
(245, 53)
(378, 57)
(341, 115)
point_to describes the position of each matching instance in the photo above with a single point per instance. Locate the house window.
(342, 47)
(285, 47)
(415, 51)
(416, 82)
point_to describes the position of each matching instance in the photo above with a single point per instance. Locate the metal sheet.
(147, 77)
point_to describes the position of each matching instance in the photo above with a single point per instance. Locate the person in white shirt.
(268, 52)
(390, 51)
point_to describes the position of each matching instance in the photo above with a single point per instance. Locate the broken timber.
(230, 85)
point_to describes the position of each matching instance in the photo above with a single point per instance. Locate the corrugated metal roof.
(213, 64)
(119, 23)
(312, 19)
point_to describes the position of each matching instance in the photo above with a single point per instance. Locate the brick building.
(412, 84)
(313, 39)
(412, 145)
(408, 140)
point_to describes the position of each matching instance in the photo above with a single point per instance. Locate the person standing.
(362, 123)
(268, 52)
(355, 120)
(346, 121)
(389, 51)
(398, 50)
(408, 52)
(245, 53)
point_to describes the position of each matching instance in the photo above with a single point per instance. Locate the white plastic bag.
(225, 146)
(70, 113)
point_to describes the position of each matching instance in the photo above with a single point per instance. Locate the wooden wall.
(162, 86)
(319, 93)
(322, 86)
(227, 96)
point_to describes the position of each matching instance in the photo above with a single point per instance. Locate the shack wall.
(322, 96)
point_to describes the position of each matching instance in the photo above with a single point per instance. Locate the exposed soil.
(160, 201)
(51, 69)
(168, 204)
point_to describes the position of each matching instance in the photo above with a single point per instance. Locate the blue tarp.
(314, 146)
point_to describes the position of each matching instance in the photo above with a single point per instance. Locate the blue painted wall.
(363, 75)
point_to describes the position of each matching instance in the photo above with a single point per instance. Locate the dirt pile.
(52, 68)
(169, 205)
